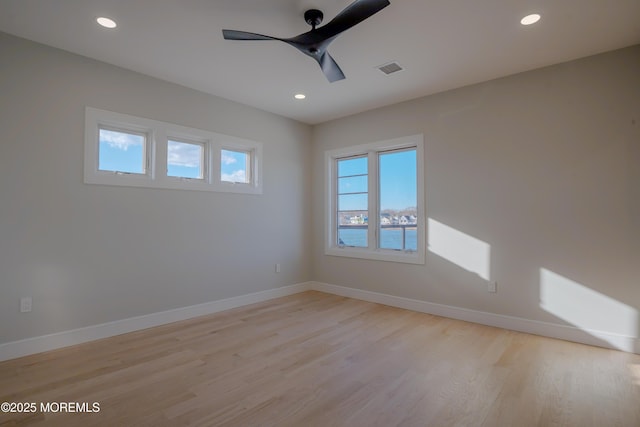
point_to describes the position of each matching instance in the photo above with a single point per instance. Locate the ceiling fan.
(314, 43)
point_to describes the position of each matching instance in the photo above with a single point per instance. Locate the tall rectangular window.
(375, 207)
(185, 159)
(122, 151)
(398, 200)
(353, 202)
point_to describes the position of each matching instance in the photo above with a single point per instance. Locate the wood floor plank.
(315, 359)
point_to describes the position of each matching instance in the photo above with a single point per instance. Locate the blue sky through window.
(354, 166)
(121, 152)
(353, 184)
(233, 166)
(398, 180)
(185, 159)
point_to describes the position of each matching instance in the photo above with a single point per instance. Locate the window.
(398, 178)
(235, 166)
(185, 159)
(122, 151)
(132, 151)
(375, 201)
(353, 202)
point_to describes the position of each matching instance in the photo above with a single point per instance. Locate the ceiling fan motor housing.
(313, 17)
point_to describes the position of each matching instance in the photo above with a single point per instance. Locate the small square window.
(185, 159)
(235, 166)
(121, 151)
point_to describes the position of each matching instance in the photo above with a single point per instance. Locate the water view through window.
(353, 201)
(398, 200)
(397, 193)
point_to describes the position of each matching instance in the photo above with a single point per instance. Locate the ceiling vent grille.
(390, 68)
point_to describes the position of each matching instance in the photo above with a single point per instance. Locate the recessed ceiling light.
(106, 22)
(299, 96)
(530, 19)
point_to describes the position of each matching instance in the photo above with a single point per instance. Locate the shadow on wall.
(603, 320)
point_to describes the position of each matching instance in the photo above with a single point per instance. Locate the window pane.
(352, 184)
(121, 151)
(234, 166)
(185, 159)
(352, 166)
(353, 202)
(353, 236)
(398, 200)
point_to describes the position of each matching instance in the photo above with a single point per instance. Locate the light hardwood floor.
(314, 359)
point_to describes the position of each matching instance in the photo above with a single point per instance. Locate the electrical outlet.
(25, 304)
(277, 268)
(492, 287)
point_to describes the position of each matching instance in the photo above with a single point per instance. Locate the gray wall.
(543, 166)
(89, 254)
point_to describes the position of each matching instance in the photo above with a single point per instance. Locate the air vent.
(390, 68)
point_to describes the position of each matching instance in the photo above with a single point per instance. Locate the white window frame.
(373, 251)
(158, 135)
(146, 151)
(237, 149)
(204, 162)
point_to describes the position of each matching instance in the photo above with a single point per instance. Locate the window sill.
(377, 255)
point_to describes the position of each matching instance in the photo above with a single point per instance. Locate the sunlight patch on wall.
(585, 308)
(635, 372)
(465, 251)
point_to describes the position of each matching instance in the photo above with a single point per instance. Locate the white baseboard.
(552, 330)
(12, 350)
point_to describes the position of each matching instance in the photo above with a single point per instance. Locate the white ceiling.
(442, 44)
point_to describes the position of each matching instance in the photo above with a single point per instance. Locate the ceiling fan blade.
(314, 43)
(330, 68)
(352, 15)
(243, 35)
